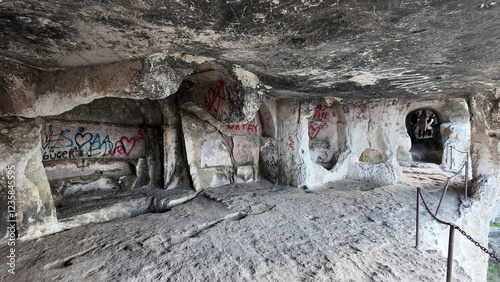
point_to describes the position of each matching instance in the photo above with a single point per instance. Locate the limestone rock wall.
(107, 144)
(175, 167)
(220, 125)
(32, 92)
(20, 147)
(476, 133)
(210, 124)
(327, 140)
(17, 87)
(373, 135)
(269, 158)
(292, 143)
(87, 143)
(476, 213)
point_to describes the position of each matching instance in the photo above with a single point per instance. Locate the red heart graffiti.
(314, 131)
(120, 147)
(214, 96)
(132, 140)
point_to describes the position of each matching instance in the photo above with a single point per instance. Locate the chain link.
(491, 254)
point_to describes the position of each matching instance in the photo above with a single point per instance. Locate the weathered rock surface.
(20, 148)
(254, 232)
(328, 90)
(371, 48)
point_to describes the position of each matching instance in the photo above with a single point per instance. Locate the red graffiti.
(398, 108)
(376, 111)
(125, 142)
(359, 112)
(383, 113)
(247, 146)
(314, 131)
(252, 126)
(292, 143)
(320, 112)
(214, 96)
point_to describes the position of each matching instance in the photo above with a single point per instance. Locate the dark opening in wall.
(423, 126)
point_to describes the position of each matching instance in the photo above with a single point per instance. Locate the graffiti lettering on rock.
(372, 156)
(214, 96)
(320, 112)
(377, 111)
(320, 144)
(246, 145)
(62, 144)
(56, 140)
(372, 159)
(124, 143)
(246, 149)
(252, 126)
(208, 147)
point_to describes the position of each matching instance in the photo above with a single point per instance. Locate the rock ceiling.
(300, 48)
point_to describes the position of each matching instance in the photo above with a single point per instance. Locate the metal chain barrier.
(491, 254)
(463, 152)
(465, 166)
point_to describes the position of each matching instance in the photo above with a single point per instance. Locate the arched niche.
(326, 132)
(267, 114)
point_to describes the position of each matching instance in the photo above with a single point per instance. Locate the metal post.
(451, 157)
(447, 147)
(417, 217)
(466, 173)
(449, 269)
(442, 195)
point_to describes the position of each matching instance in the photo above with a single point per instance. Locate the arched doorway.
(423, 127)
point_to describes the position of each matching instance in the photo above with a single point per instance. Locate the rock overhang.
(315, 48)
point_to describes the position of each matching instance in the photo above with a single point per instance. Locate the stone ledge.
(101, 205)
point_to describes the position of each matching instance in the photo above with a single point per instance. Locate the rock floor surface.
(343, 231)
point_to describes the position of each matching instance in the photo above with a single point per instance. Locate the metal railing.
(452, 225)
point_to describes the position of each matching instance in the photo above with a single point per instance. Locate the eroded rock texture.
(149, 103)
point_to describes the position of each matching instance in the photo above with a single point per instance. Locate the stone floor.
(343, 231)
